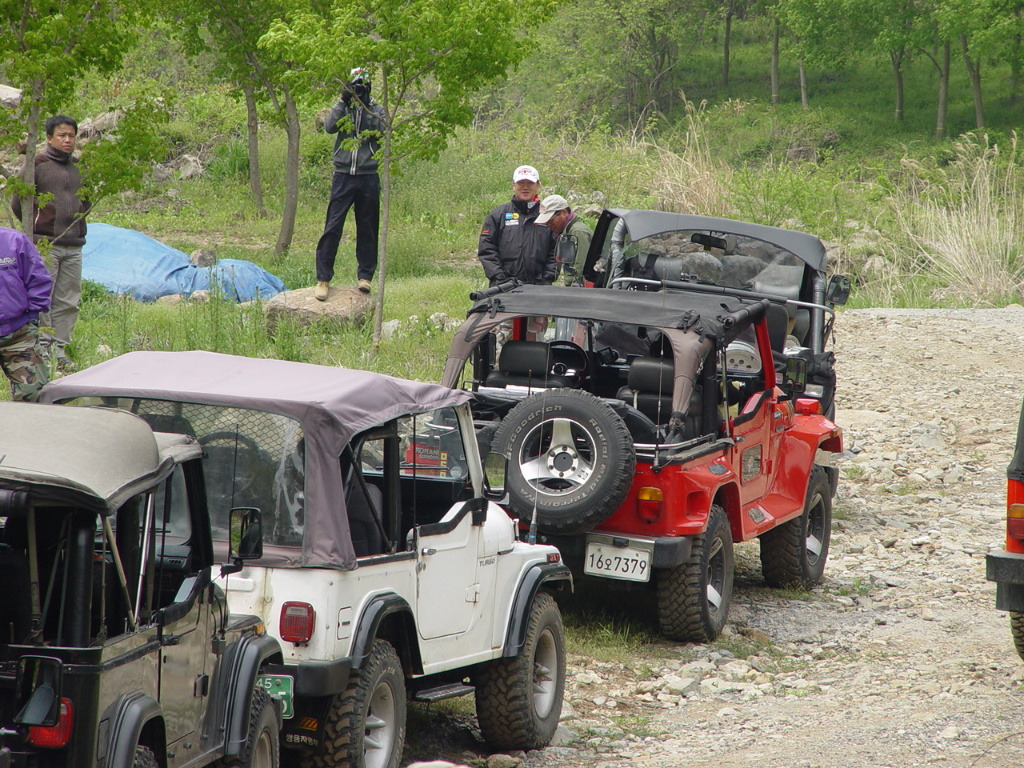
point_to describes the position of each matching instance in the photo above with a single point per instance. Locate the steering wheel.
(578, 366)
(237, 467)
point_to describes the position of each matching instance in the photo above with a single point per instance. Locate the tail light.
(297, 620)
(649, 502)
(54, 736)
(1015, 516)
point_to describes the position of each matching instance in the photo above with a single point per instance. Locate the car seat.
(527, 364)
(362, 508)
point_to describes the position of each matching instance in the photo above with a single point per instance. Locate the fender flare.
(534, 577)
(239, 668)
(378, 608)
(128, 715)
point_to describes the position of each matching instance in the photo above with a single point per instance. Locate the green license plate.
(280, 687)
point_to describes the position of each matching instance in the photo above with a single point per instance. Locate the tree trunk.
(385, 214)
(974, 75)
(1016, 44)
(725, 49)
(1015, 68)
(253, 128)
(943, 101)
(775, 62)
(803, 86)
(896, 57)
(291, 176)
(28, 172)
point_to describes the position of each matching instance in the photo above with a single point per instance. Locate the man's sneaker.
(320, 292)
(364, 286)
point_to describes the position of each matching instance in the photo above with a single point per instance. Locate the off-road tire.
(519, 699)
(694, 597)
(263, 744)
(581, 453)
(373, 704)
(1017, 630)
(144, 758)
(794, 553)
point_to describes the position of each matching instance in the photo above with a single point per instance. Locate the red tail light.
(1015, 521)
(58, 735)
(649, 503)
(297, 620)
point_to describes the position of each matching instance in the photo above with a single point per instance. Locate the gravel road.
(900, 659)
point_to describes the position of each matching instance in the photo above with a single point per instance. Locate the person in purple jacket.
(25, 287)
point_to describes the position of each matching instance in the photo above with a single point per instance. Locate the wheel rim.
(263, 751)
(545, 674)
(715, 576)
(814, 539)
(557, 457)
(379, 729)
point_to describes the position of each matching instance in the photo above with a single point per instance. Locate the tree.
(427, 58)
(231, 30)
(45, 46)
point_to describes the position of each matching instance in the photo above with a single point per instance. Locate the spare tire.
(569, 454)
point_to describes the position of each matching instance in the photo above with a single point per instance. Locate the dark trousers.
(363, 192)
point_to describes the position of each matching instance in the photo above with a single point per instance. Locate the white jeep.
(386, 572)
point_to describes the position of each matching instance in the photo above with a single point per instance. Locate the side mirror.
(794, 380)
(495, 474)
(838, 290)
(566, 249)
(39, 681)
(245, 538)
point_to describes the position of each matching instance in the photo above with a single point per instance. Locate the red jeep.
(648, 430)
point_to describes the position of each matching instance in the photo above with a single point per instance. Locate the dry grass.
(690, 180)
(961, 229)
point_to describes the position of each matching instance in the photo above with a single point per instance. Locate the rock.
(200, 296)
(389, 328)
(190, 167)
(503, 761)
(171, 298)
(343, 305)
(563, 737)
(10, 97)
(203, 257)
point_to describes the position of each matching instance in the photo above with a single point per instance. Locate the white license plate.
(626, 563)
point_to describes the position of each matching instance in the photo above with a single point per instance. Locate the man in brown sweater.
(61, 221)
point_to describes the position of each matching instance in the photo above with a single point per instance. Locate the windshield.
(254, 459)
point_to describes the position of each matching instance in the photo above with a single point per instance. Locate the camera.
(360, 89)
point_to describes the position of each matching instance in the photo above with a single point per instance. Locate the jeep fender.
(535, 576)
(401, 631)
(238, 670)
(126, 718)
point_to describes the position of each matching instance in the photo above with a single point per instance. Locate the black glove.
(346, 97)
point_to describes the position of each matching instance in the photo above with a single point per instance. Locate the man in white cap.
(358, 120)
(511, 247)
(572, 237)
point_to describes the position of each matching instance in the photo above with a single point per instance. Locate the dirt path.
(900, 659)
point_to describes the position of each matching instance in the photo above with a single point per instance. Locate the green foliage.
(230, 161)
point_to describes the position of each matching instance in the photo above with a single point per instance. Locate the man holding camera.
(359, 122)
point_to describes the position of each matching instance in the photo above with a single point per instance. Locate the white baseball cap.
(549, 206)
(526, 173)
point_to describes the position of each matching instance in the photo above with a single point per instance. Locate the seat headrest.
(525, 358)
(652, 375)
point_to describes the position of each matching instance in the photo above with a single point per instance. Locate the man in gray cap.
(510, 247)
(572, 237)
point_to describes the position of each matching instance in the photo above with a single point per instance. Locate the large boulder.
(344, 305)
(9, 97)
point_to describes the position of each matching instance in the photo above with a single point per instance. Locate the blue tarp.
(129, 262)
